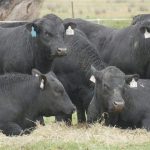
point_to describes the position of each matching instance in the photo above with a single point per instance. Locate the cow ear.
(69, 28)
(129, 78)
(96, 75)
(71, 24)
(36, 72)
(33, 28)
(42, 78)
(145, 31)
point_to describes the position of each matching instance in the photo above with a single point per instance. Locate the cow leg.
(81, 114)
(146, 123)
(92, 113)
(40, 120)
(11, 129)
(148, 71)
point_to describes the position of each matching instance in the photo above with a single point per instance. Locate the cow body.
(24, 98)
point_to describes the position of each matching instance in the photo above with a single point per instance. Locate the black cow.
(140, 18)
(32, 45)
(127, 48)
(112, 87)
(23, 98)
(74, 72)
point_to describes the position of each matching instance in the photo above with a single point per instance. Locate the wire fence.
(101, 21)
(115, 23)
(97, 20)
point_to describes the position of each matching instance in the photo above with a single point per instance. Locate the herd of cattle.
(52, 67)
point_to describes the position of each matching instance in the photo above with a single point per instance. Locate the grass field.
(78, 137)
(96, 8)
(55, 136)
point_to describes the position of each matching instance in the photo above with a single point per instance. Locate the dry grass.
(97, 133)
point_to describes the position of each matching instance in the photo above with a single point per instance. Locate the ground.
(56, 136)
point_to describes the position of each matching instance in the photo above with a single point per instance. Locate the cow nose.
(62, 51)
(118, 105)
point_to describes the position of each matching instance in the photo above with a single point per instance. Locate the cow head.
(140, 18)
(53, 98)
(50, 31)
(109, 88)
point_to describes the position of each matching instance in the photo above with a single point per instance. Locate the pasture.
(56, 136)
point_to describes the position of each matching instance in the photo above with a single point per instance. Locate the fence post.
(72, 8)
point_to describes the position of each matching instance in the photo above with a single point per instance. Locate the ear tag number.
(146, 34)
(33, 32)
(92, 79)
(69, 31)
(133, 83)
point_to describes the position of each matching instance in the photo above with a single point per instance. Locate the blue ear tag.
(33, 32)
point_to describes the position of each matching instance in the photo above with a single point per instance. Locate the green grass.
(58, 145)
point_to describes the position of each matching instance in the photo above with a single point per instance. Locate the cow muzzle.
(62, 51)
(118, 106)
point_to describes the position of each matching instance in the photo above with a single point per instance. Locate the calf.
(126, 101)
(23, 98)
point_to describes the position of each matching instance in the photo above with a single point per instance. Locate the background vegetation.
(90, 9)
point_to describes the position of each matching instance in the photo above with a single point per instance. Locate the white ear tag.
(146, 34)
(69, 31)
(42, 84)
(133, 83)
(36, 75)
(92, 79)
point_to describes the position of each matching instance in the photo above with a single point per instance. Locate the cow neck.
(128, 97)
(84, 54)
(95, 109)
(99, 99)
(41, 54)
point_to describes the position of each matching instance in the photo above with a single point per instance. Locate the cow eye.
(48, 34)
(59, 91)
(106, 87)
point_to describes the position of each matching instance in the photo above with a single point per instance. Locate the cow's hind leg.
(11, 128)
